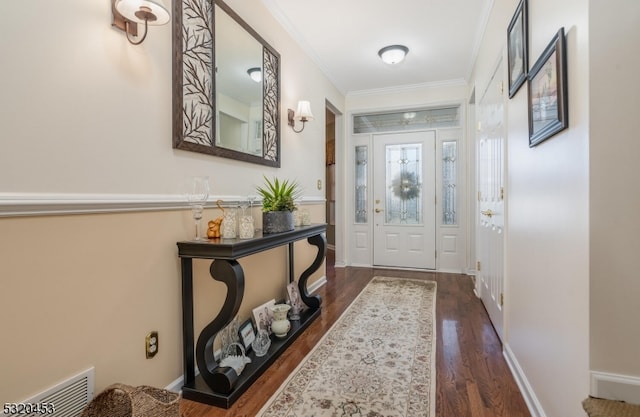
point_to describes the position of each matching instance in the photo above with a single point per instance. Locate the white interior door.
(404, 200)
(491, 174)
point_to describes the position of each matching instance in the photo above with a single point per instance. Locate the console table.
(221, 386)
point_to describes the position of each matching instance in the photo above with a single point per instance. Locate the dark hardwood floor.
(472, 377)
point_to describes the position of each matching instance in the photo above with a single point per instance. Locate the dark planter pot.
(277, 221)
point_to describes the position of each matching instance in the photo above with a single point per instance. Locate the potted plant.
(278, 204)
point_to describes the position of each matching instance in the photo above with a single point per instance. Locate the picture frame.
(294, 296)
(203, 30)
(247, 334)
(517, 48)
(548, 108)
(263, 316)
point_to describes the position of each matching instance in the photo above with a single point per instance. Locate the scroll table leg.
(220, 379)
(321, 243)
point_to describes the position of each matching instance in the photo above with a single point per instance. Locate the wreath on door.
(406, 186)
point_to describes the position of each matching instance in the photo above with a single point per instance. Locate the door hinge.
(501, 299)
(436, 253)
(479, 195)
(501, 193)
(478, 266)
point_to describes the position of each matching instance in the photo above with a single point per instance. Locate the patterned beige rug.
(377, 360)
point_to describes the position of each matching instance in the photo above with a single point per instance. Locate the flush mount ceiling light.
(393, 54)
(128, 13)
(255, 74)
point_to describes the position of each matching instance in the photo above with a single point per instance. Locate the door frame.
(498, 69)
(361, 255)
(427, 140)
(341, 203)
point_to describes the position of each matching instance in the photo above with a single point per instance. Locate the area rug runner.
(377, 360)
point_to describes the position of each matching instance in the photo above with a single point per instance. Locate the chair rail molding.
(50, 204)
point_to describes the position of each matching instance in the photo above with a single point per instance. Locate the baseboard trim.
(534, 406)
(615, 387)
(317, 284)
(176, 385)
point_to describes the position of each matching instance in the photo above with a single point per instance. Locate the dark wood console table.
(221, 386)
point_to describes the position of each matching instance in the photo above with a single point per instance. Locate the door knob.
(379, 210)
(487, 213)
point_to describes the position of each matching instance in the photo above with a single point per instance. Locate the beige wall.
(82, 291)
(547, 249)
(614, 187)
(86, 115)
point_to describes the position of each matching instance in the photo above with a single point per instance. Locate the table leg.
(221, 379)
(187, 319)
(321, 243)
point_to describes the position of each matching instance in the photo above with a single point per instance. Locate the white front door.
(490, 144)
(404, 200)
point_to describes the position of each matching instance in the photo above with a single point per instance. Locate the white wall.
(615, 190)
(83, 109)
(547, 251)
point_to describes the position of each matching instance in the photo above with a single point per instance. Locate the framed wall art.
(226, 85)
(517, 48)
(548, 109)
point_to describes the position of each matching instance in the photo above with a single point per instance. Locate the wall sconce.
(393, 54)
(255, 74)
(303, 114)
(128, 13)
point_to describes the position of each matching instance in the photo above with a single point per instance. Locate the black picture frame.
(548, 107)
(247, 334)
(518, 48)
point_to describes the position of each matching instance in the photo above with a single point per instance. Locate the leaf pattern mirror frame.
(194, 86)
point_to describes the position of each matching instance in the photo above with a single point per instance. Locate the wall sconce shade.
(393, 54)
(255, 74)
(303, 113)
(128, 13)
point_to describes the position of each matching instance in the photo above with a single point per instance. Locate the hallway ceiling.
(343, 37)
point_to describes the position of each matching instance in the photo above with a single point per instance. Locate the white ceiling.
(344, 36)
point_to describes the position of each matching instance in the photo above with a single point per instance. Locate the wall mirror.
(226, 85)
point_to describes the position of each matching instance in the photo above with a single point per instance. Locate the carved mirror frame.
(194, 89)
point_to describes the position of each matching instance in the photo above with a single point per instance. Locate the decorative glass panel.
(403, 202)
(407, 120)
(449, 180)
(361, 184)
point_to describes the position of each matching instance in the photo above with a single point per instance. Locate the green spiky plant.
(279, 195)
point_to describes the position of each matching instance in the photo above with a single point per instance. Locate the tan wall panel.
(81, 291)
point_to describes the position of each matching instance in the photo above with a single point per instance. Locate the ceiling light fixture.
(128, 13)
(393, 54)
(255, 74)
